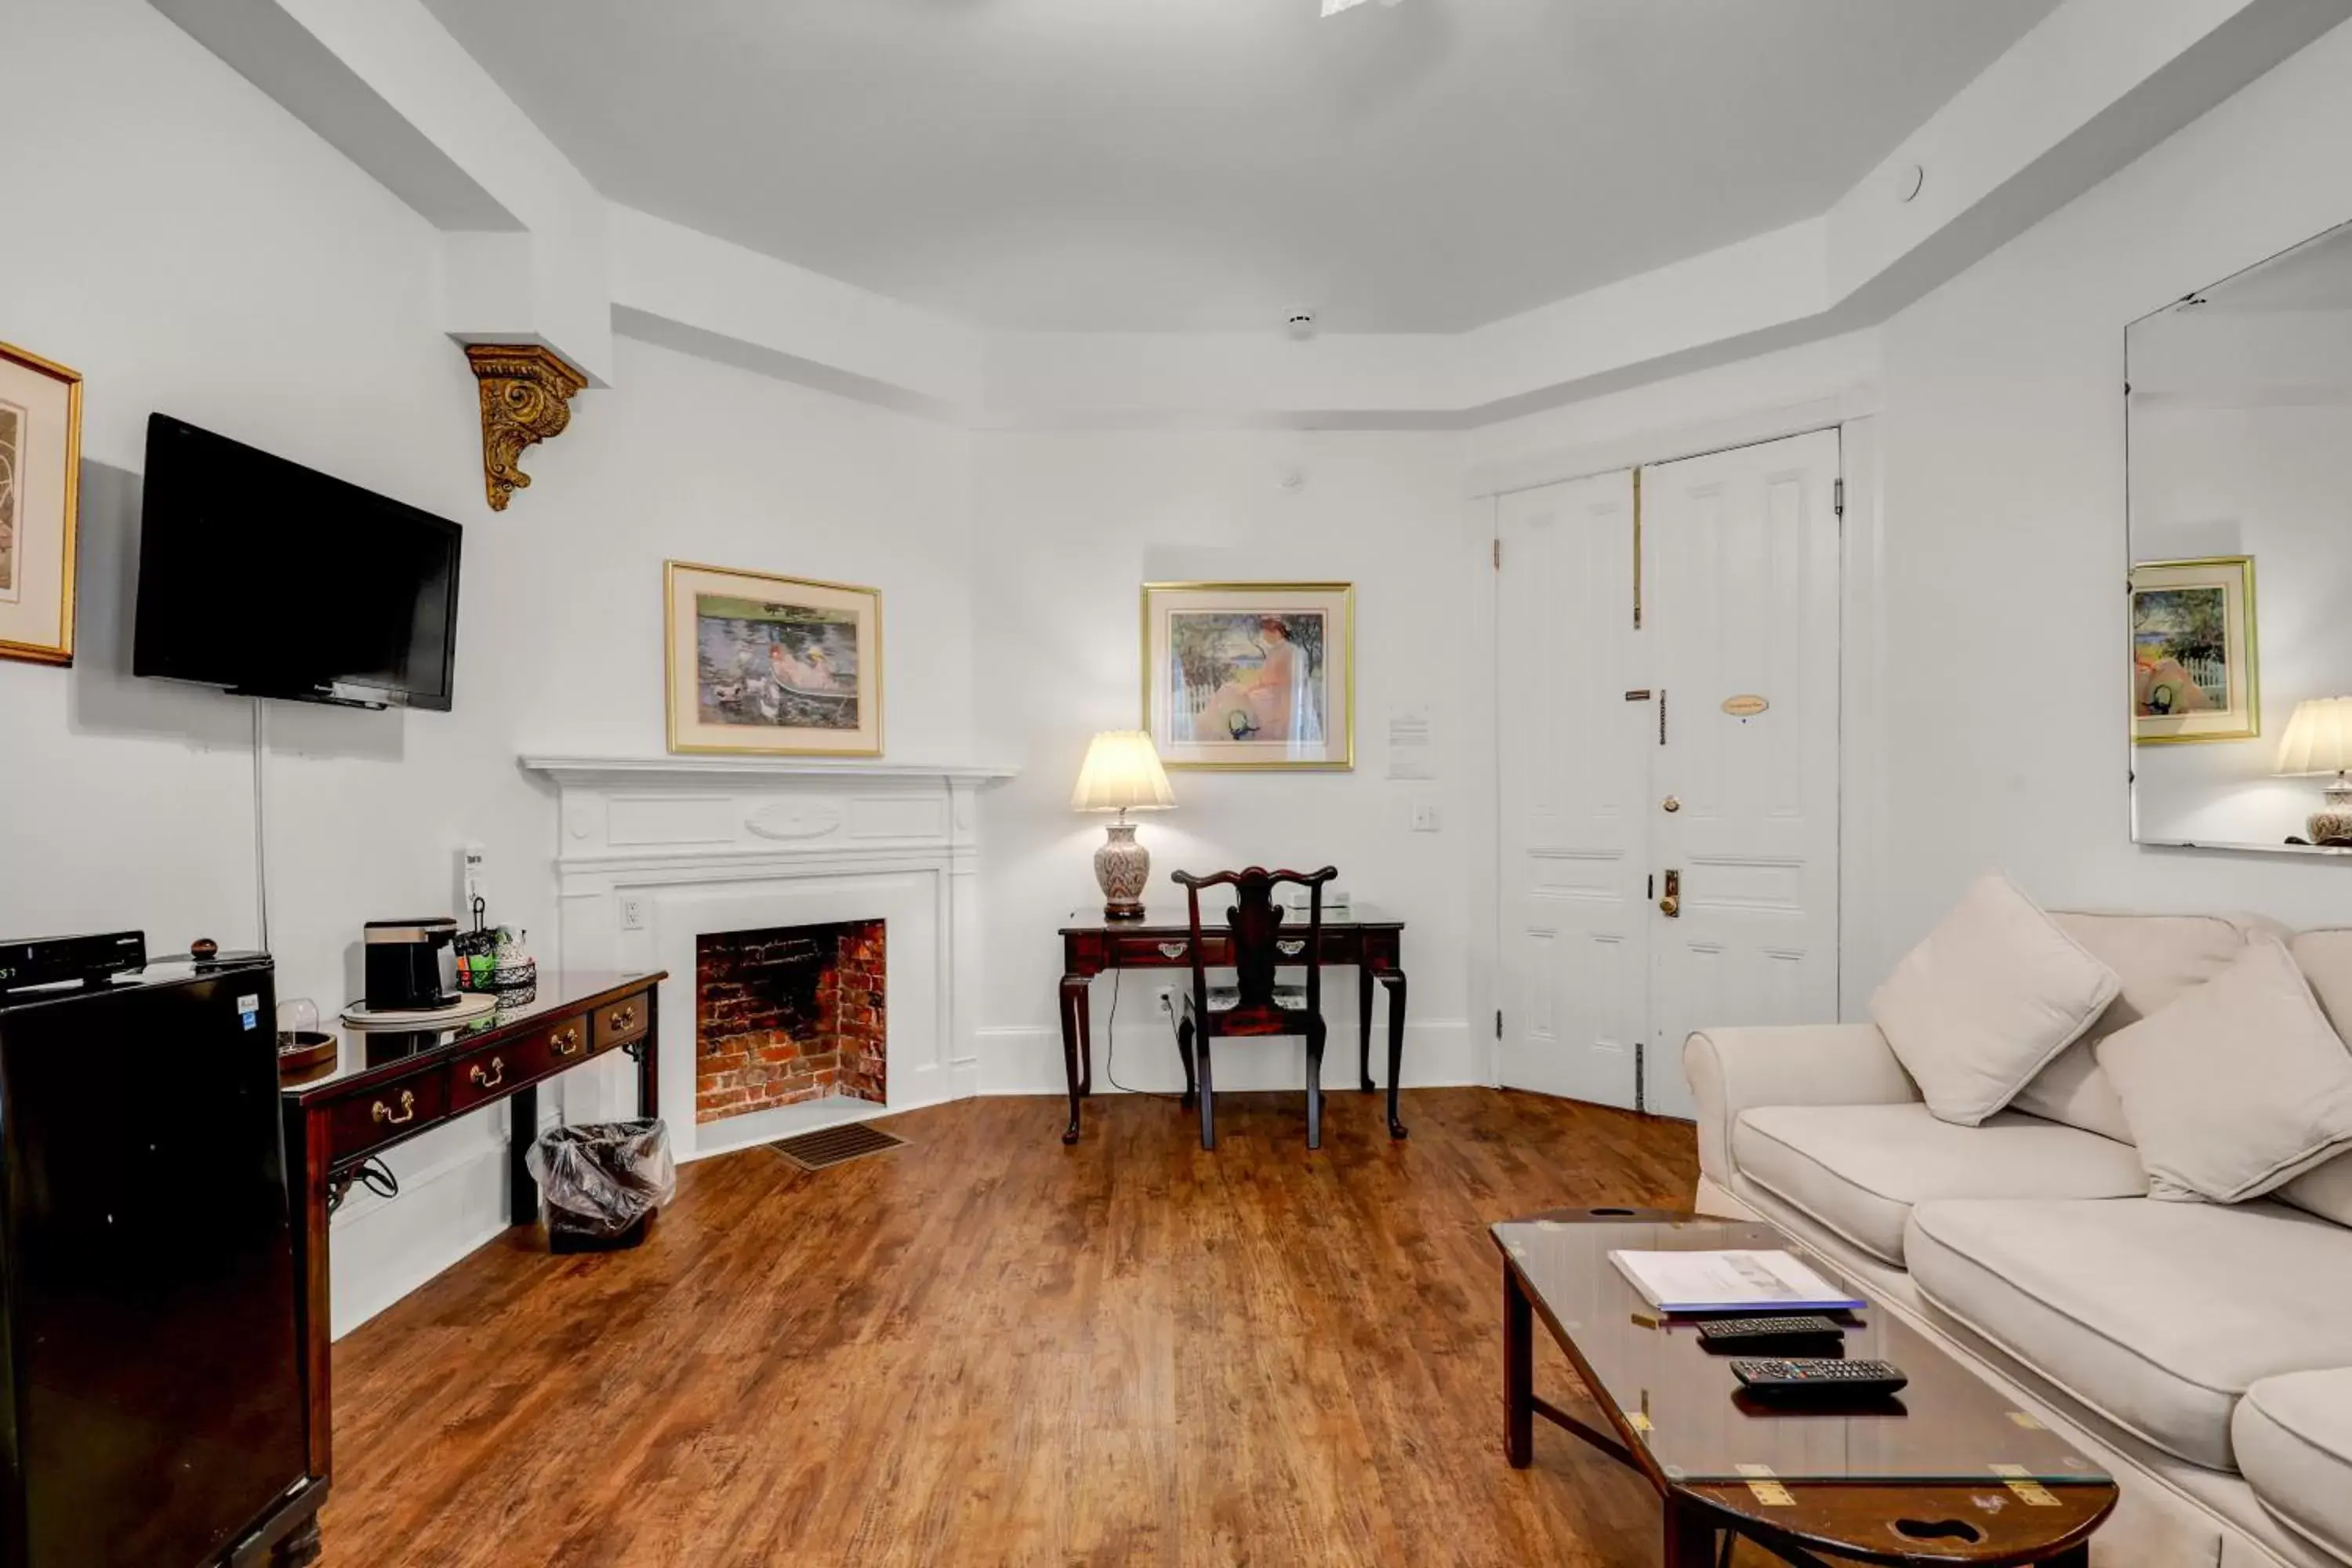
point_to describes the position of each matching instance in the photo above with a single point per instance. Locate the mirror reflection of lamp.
(1122, 774)
(2319, 740)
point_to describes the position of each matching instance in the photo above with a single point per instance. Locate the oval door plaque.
(1744, 706)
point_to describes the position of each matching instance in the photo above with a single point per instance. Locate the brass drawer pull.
(567, 1042)
(622, 1018)
(492, 1076)
(381, 1112)
(1172, 949)
(1291, 949)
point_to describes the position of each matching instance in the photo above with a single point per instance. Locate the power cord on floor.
(1110, 1046)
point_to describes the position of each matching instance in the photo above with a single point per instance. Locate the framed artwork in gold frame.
(2195, 651)
(1250, 674)
(780, 666)
(40, 476)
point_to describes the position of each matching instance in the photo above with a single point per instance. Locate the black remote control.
(1806, 1379)
(1764, 1335)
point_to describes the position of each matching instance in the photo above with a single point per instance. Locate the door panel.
(1574, 915)
(1741, 598)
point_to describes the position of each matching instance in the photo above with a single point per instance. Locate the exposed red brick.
(788, 1016)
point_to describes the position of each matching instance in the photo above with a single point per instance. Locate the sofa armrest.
(1730, 1070)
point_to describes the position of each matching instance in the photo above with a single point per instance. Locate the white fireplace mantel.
(652, 852)
(704, 768)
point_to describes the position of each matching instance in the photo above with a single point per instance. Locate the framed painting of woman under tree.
(2194, 651)
(1250, 674)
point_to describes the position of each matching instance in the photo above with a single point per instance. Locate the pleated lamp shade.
(2318, 738)
(1122, 773)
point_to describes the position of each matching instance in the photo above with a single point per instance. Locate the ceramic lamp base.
(2333, 824)
(1122, 867)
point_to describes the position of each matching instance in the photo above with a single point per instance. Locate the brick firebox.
(787, 1014)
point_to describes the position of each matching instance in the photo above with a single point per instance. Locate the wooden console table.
(1091, 943)
(385, 1086)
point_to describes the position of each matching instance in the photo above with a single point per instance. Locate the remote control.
(1766, 1334)
(1791, 1379)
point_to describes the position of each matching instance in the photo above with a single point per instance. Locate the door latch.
(1671, 906)
(1672, 803)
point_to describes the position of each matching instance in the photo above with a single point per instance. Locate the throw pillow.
(1982, 1005)
(2239, 1086)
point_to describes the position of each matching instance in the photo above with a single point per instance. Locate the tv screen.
(265, 577)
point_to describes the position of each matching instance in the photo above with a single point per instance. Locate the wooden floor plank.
(986, 1348)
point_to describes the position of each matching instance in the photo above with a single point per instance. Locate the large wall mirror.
(2241, 476)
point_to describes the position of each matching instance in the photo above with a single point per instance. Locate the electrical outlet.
(633, 911)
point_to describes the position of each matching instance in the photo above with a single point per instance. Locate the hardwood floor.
(985, 1348)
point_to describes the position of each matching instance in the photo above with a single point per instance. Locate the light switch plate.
(1424, 816)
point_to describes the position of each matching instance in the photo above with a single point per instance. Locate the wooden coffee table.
(1946, 1472)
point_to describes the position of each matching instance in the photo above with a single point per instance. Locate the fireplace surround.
(655, 854)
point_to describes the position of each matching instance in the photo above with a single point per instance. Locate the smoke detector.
(1300, 324)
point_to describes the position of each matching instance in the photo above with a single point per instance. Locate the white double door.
(1668, 765)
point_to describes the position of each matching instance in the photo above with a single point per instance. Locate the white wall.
(189, 246)
(2004, 495)
(1071, 524)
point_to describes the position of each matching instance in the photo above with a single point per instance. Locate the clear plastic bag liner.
(605, 1176)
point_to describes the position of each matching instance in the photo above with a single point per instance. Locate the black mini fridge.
(153, 1407)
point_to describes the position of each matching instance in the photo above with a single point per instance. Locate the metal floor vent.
(833, 1145)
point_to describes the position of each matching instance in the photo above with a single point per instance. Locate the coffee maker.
(412, 966)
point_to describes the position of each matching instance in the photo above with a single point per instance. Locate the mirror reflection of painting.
(1248, 677)
(12, 428)
(2180, 651)
(790, 666)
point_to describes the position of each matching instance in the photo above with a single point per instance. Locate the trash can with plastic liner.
(602, 1181)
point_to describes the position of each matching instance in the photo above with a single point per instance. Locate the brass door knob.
(1671, 906)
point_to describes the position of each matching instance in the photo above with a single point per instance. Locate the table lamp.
(2319, 740)
(1122, 774)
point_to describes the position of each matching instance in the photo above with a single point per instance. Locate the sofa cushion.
(2158, 958)
(2325, 958)
(1986, 999)
(2237, 1088)
(2293, 1438)
(1858, 1169)
(2157, 1315)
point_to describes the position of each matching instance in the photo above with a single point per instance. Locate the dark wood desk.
(1162, 939)
(385, 1086)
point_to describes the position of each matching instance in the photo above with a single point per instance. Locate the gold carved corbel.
(526, 398)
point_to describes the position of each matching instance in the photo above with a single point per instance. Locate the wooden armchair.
(1256, 1005)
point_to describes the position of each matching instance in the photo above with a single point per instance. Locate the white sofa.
(2202, 1353)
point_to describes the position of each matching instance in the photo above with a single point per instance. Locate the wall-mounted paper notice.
(1412, 743)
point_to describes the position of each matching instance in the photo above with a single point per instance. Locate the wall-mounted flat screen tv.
(274, 579)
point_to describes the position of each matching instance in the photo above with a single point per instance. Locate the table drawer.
(1162, 951)
(381, 1115)
(616, 1023)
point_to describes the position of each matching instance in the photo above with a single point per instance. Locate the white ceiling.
(1191, 164)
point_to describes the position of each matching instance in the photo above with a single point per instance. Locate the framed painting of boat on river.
(784, 666)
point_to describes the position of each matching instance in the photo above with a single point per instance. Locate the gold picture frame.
(41, 502)
(760, 664)
(2196, 651)
(1242, 676)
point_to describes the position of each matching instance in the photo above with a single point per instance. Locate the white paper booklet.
(1730, 1282)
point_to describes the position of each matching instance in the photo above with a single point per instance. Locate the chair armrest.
(1730, 1070)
